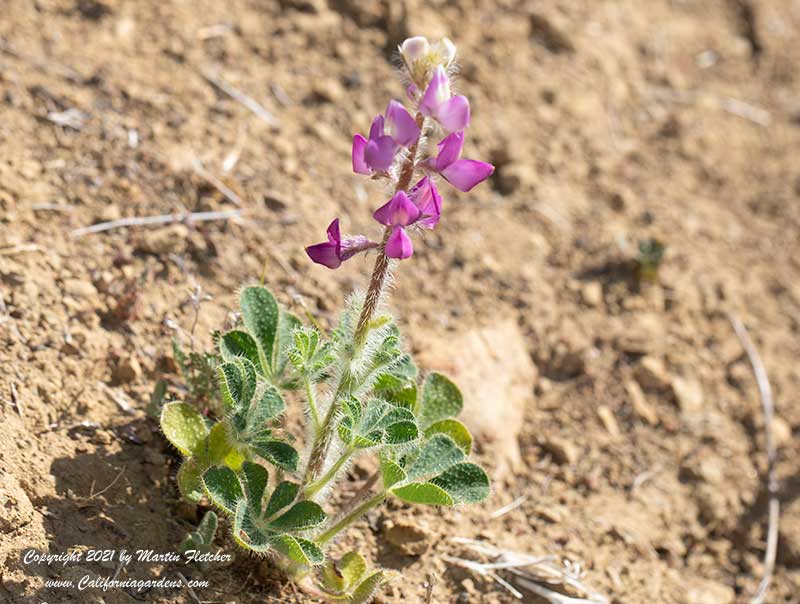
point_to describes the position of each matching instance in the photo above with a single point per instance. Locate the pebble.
(412, 539)
(639, 403)
(562, 450)
(592, 294)
(79, 288)
(651, 374)
(128, 369)
(704, 591)
(689, 394)
(609, 421)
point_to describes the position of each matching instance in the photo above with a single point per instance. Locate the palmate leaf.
(436, 475)
(381, 423)
(247, 533)
(269, 404)
(441, 399)
(183, 426)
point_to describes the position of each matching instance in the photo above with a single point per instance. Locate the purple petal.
(449, 150)
(436, 94)
(400, 125)
(466, 173)
(399, 244)
(376, 129)
(398, 211)
(427, 198)
(379, 153)
(334, 234)
(454, 114)
(359, 165)
(325, 254)
(411, 92)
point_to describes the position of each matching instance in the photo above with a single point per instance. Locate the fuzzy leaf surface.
(283, 496)
(254, 480)
(223, 487)
(183, 426)
(301, 516)
(261, 314)
(441, 399)
(453, 428)
(277, 453)
(236, 344)
(464, 482)
(299, 550)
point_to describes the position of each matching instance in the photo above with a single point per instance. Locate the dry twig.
(768, 405)
(239, 96)
(162, 219)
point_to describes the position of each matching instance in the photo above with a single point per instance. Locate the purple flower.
(451, 112)
(463, 174)
(397, 213)
(386, 134)
(336, 250)
(427, 199)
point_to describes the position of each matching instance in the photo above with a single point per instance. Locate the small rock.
(562, 450)
(592, 294)
(128, 369)
(651, 374)
(515, 176)
(639, 403)
(16, 509)
(79, 288)
(689, 394)
(782, 431)
(327, 91)
(411, 539)
(609, 421)
(703, 591)
(169, 240)
(494, 371)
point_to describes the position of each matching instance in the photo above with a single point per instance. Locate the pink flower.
(336, 250)
(387, 134)
(397, 213)
(426, 197)
(451, 112)
(463, 174)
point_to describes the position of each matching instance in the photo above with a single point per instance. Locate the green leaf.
(207, 527)
(260, 314)
(381, 423)
(391, 472)
(352, 568)
(423, 492)
(287, 323)
(283, 495)
(255, 478)
(268, 406)
(236, 343)
(223, 487)
(455, 430)
(367, 589)
(464, 482)
(277, 453)
(190, 481)
(401, 432)
(299, 550)
(441, 399)
(220, 449)
(301, 516)
(438, 454)
(183, 426)
(232, 384)
(247, 533)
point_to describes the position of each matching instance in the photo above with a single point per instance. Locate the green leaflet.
(301, 516)
(260, 314)
(441, 399)
(297, 549)
(236, 344)
(277, 453)
(381, 423)
(283, 495)
(223, 487)
(254, 478)
(455, 430)
(183, 426)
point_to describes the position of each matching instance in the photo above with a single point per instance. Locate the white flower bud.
(446, 51)
(414, 49)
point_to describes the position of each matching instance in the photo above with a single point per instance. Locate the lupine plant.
(361, 391)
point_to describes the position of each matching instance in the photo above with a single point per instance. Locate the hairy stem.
(347, 520)
(380, 272)
(319, 484)
(312, 403)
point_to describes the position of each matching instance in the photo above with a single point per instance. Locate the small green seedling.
(648, 260)
(201, 540)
